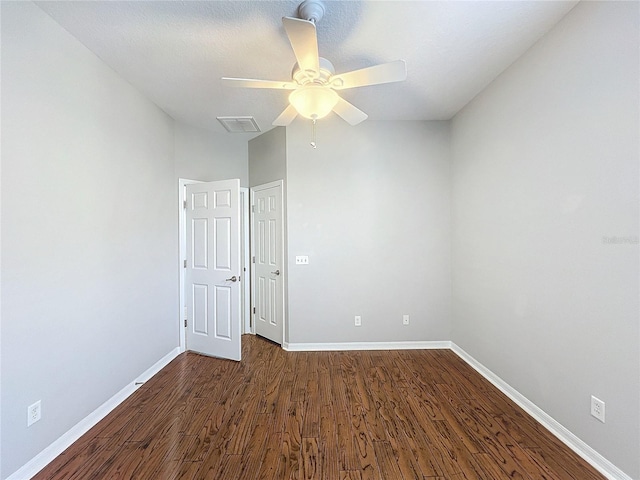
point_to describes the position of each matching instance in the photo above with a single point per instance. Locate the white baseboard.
(340, 346)
(41, 460)
(596, 460)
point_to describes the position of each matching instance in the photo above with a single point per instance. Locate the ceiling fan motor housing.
(302, 77)
(311, 10)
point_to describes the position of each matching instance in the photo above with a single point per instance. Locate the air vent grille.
(239, 124)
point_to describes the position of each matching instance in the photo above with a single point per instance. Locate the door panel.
(222, 319)
(269, 262)
(200, 306)
(212, 276)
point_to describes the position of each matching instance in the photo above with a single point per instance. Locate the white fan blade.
(286, 117)
(383, 73)
(349, 113)
(252, 83)
(304, 41)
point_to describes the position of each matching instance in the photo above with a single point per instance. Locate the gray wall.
(207, 156)
(370, 207)
(268, 163)
(267, 157)
(89, 244)
(545, 174)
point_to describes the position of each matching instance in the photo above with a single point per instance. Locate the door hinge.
(254, 310)
(184, 264)
(184, 204)
(254, 259)
(185, 323)
(253, 208)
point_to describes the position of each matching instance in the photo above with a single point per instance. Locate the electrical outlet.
(405, 319)
(34, 413)
(358, 320)
(302, 260)
(597, 408)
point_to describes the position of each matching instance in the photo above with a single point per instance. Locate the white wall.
(89, 244)
(545, 171)
(209, 156)
(370, 207)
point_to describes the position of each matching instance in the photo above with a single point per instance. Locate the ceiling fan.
(314, 83)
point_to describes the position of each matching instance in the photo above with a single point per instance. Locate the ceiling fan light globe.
(313, 101)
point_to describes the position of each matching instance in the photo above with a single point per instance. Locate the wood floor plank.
(311, 463)
(386, 460)
(291, 456)
(255, 449)
(229, 467)
(455, 458)
(348, 455)
(311, 415)
(281, 409)
(422, 414)
(350, 475)
(273, 380)
(187, 470)
(476, 429)
(240, 424)
(211, 464)
(68, 464)
(405, 458)
(204, 433)
(273, 462)
(363, 445)
(121, 463)
(565, 464)
(328, 442)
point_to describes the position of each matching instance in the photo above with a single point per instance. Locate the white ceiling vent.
(239, 124)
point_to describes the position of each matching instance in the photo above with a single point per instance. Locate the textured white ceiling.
(175, 52)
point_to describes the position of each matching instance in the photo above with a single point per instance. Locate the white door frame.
(245, 261)
(277, 183)
(246, 272)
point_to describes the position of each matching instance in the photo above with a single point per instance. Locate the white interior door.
(268, 269)
(213, 272)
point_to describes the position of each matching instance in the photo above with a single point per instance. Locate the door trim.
(245, 261)
(182, 255)
(285, 271)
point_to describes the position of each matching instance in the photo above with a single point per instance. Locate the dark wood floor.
(419, 414)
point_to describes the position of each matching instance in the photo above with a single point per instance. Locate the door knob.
(232, 279)
(277, 272)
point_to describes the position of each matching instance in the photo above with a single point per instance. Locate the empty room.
(337, 240)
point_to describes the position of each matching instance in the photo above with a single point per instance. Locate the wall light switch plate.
(405, 319)
(302, 260)
(358, 321)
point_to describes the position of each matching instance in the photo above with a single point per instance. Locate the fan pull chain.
(313, 135)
